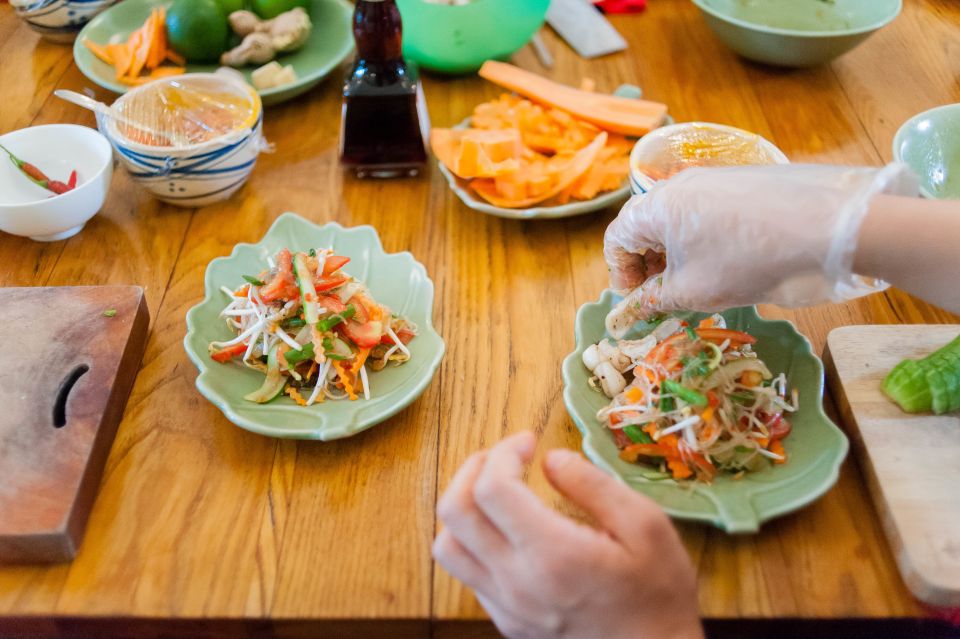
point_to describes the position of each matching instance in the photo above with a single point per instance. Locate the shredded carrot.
(776, 447)
(295, 395)
(243, 291)
(679, 469)
(345, 379)
(146, 49)
(706, 322)
(634, 395)
(707, 415)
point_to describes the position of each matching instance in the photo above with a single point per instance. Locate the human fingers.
(625, 514)
(632, 247)
(460, 563)
(503, 497)
(459, 512)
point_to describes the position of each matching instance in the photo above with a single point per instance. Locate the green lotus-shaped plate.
(816, 447)
(394, 279)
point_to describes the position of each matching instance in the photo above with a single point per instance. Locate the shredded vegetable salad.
(311, 329)
(692, 402)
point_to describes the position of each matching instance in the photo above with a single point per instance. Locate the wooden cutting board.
(911, 462)
(69, 358)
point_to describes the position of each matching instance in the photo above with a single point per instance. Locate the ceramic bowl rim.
(901, 134)
(644, 182)
(756, 26)
(100, 139)
(187, 149)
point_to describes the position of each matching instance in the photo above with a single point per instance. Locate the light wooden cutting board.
(911, 462)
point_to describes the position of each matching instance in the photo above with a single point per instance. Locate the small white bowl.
(653, 142)
(56, 149)
(59, 20)
(197, 174)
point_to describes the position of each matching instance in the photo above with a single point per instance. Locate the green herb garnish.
(252, 280)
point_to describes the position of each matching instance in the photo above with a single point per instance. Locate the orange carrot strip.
(98, 50)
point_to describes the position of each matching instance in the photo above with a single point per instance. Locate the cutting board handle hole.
(60, 406)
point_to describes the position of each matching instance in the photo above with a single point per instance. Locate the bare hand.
(541, 575)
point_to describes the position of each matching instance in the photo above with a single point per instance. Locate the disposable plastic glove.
(541, 575)
(711, 239)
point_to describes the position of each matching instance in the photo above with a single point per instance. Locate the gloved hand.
(541, 575)
(711, 239)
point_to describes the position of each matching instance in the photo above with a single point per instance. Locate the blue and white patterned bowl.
(196, 174)
(59, 20)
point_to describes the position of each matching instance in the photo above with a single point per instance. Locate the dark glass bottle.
(384, 121)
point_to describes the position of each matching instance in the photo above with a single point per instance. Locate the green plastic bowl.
(796, 33)
(929, 143)
(459, 38)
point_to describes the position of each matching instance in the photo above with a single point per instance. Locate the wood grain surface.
(911, 462)
(71, 356)
(197, 519)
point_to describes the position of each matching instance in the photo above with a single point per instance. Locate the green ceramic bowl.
(796, 33)
(459, 38)
(929, 143)
(395, 279)
(331, 41)
(815, 448)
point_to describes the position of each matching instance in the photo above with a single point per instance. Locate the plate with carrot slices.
(127, 45)
(546, 151)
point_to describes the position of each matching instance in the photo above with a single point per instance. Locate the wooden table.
(203, 528)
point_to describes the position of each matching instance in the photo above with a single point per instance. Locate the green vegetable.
(636, 434)
(328, 323)
(929, 384)
(692, 334)
(273, 384)
(666, 404)
(294, 322)
(744, 449)
(335, 356)
(110, 312)
(688, 395)
(295, 357)
(308, 294)
(742, 398)
(252, 280)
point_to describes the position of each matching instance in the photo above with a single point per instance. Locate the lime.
(229, 6)
(197, 29)
(268, 9)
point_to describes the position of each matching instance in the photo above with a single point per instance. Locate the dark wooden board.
(68, 358)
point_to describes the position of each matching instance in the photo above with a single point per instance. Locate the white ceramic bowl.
(57, 149)
(641, 182)
(59, 20)
(196, 174)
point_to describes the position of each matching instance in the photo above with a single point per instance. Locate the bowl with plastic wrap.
(189, 140)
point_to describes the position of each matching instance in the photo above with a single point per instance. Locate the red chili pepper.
(40, 178)
(33, 171)
(58, 187)
(72, 182)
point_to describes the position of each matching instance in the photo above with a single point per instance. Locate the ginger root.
(264, 39)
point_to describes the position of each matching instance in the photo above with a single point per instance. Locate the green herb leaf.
(252, 280)
(743, 449)
(312, 252)
(110, 312)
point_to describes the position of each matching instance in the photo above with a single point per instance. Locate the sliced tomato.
(284, 284)
(778, 427)
(721, 334)
(331, 303)
(226, 354)
(364, 335)
(328, 283)
(620, 438)
(334, 263)
(405, 335)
